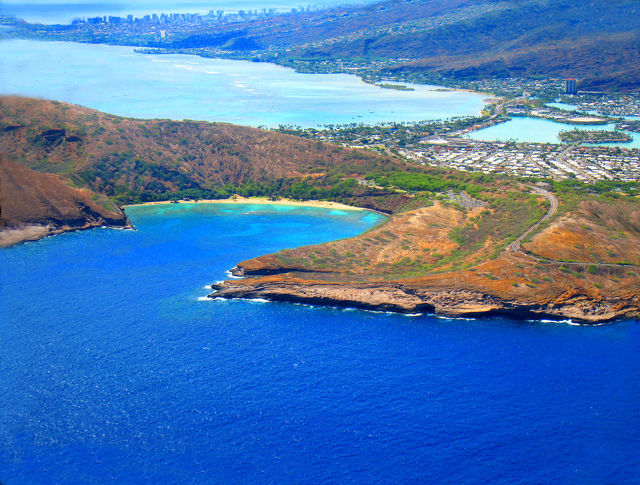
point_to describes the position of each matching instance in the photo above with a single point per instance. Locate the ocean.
(116, 369)
(116, 80)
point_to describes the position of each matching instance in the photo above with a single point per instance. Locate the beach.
(260, 200)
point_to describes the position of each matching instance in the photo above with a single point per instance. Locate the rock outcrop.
(453, 302)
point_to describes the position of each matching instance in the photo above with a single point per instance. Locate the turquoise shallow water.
(116, 80)
(113, 371)
(535, 130)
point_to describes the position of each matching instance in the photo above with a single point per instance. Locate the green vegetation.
(597, 136)
(572, 194)
(607, 188)
(505, 220)
(432, 182)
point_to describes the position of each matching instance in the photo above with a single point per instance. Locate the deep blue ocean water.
(113, 370)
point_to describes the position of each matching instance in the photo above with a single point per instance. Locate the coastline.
(452, 300)
(33, 232)
(321, 204)
(14, 236)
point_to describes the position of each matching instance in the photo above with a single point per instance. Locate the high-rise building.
(570, 86)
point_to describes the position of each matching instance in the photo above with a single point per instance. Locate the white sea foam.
(413, 314)
(566, 322)
(381, 312)
(464, 319)
(232, 276)
(204, 298)
(257, 300)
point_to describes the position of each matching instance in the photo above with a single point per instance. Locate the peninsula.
(580, 263)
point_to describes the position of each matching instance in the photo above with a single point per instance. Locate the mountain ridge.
(460, 39)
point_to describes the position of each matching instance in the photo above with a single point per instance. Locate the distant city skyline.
(44, 11)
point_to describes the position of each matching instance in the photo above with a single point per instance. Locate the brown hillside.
(117, 156)
(33, 205)
(596, 232)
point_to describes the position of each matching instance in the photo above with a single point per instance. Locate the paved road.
(553, 208)
(561, 160)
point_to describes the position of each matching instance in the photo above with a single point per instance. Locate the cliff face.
(34, 205)
(454, 295)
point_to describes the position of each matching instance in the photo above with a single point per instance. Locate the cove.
(116, 80)
(114, 370)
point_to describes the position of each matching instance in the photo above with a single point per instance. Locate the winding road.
(514, 247)
(553, 201)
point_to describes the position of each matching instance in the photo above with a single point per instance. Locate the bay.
(116, 80)
(114, 369)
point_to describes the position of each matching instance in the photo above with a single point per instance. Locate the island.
(629, 125)
(584, 136)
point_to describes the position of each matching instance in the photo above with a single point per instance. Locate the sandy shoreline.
(261, 200)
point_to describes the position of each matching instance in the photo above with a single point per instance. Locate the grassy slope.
(444, 237)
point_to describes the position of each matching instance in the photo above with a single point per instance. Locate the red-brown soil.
(33, 205)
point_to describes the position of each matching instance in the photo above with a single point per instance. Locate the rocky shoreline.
(448, 301)
(33, 232)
